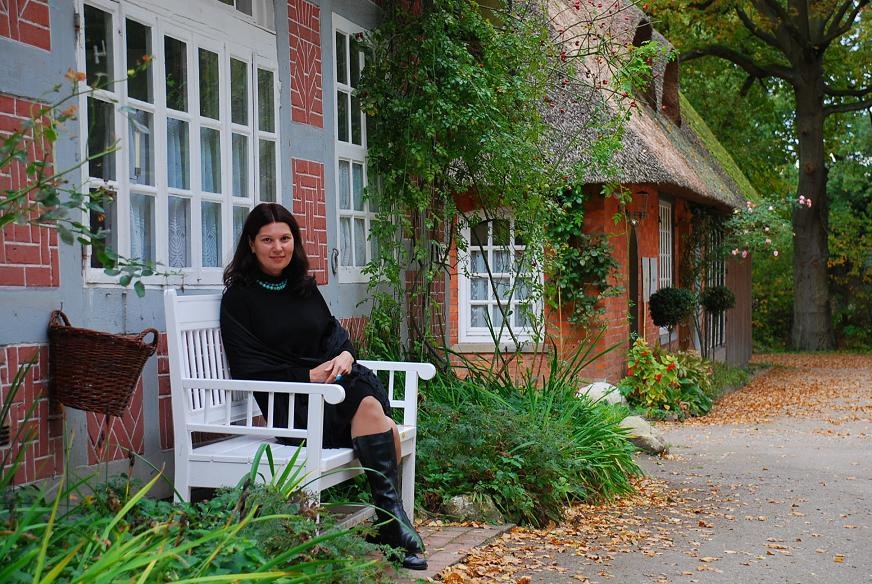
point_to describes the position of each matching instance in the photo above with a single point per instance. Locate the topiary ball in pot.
(671, 306)
(716, 299)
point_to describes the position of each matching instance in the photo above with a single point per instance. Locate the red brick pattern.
(304, 39)
(40, 418)
(28, 253)
(310, 210)
(26, 21)
(164, 402)
(125, 434)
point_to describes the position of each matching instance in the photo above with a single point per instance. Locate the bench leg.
(407, 480)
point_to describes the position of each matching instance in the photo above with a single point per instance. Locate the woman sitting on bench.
(276, 326)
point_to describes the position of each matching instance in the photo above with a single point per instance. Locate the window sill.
(505, 347)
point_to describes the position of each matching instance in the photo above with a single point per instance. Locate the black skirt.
(358, 384)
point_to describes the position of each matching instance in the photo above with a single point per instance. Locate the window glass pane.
(141, 141)
(478, 262)
(211, 225)
(341, 56)
(496, 318)
(101, 132)
(479, 234)
(104, 221)
(267, 170)
(478, 288)
(502, 262)
(478, 316)
(240, 165)
(503, 289)
(227, 2)
(521, 315)
(176, 63)
(357, 185)
(142, 227)
(179, 228)
(244, 6)
(342, 116)
(344, 185)
(209, 99)
(98, 47)
(239, 92)
(210, 159)
(138, 46)
(355, 58)
(240, 214)
(501, 232)
(178, 155)
(356, 122)
(359, 242)
(345, 241)
(265, 101)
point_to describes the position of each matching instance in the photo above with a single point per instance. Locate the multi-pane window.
(665, 266)
(194, 125)
(665, 263)
(354, 212)
(496, 297)
(715, 276)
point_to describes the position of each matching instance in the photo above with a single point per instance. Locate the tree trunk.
(812, 324)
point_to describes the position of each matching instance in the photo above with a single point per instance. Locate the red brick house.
(669, 164)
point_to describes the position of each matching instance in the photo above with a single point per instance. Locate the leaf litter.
(837, 387)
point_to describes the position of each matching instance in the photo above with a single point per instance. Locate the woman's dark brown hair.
(243, 268)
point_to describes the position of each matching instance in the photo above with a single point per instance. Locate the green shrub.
(717, 299)
(530, 449)
(663, 383)
(671, 306)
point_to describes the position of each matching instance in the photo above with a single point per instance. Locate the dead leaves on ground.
(590, 538)
(834, 387)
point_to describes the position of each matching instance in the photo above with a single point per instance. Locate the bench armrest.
(333, 393)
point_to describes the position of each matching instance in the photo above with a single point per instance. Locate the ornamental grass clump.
(530, 447)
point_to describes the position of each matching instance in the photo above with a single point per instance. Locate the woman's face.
(273, 246)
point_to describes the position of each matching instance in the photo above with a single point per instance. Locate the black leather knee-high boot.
(378, 457)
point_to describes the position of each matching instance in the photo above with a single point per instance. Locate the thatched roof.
(664, 144)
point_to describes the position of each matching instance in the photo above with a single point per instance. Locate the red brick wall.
(44, 453)
(125, 433)
(28, 253)
(310, 210)
(164, 401)
(304, 39)
(26, 21)
(598, 219)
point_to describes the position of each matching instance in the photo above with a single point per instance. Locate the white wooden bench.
(205, 399)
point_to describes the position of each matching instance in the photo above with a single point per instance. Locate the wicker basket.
(92, 370)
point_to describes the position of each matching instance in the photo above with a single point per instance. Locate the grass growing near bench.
(90, 532)
(531, 448)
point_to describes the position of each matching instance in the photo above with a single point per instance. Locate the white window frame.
(468, 333)
(665, 263)
(250, 43)
(352, 154)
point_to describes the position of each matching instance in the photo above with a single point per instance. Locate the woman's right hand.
(321, 373)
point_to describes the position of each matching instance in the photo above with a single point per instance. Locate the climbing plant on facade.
(454, 95)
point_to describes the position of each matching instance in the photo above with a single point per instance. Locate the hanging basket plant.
(717, 299)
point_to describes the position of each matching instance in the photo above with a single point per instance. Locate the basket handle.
(58, 318)
(153, 344)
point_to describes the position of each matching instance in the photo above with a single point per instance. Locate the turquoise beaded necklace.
(273, 286)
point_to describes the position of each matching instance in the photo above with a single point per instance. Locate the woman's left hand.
(339, 365)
